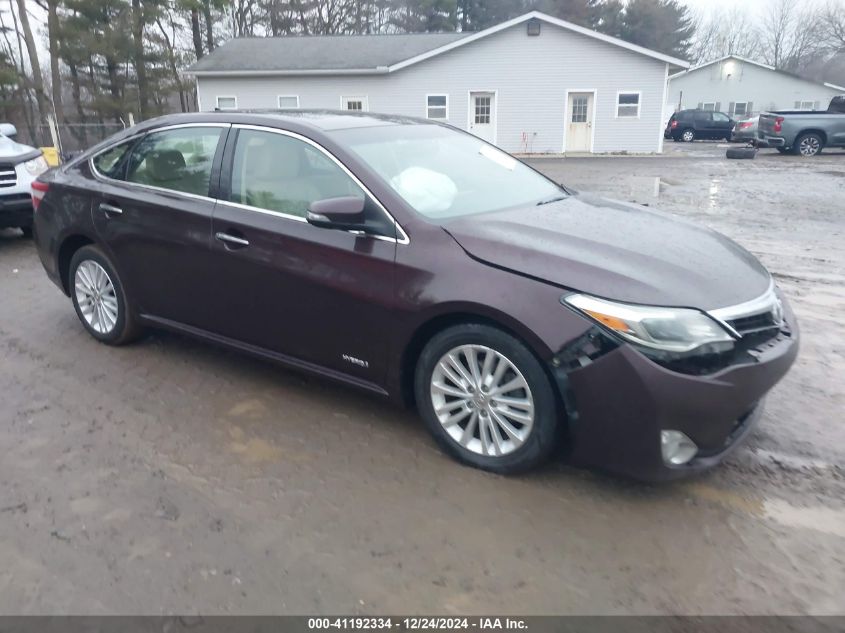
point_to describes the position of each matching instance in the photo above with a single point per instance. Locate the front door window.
(280, 173)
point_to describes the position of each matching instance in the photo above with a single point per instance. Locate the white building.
(533, 84)
(742, 87)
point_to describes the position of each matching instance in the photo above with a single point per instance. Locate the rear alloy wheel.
(808, 144)
(688, 135)
(99, 298)
(486, 399)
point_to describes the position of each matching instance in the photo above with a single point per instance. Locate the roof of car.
(325, 120)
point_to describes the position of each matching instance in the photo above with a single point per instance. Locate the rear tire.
(27, 231)
(100, 299)
(808, 145)
(688, 135)
(478, 419)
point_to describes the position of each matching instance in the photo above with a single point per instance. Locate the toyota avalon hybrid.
(418, 262)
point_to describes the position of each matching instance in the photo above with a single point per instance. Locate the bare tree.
(35, 66)
(833, 20)
(791, 34)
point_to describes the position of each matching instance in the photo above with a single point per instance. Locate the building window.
(227, 103)
(740, 108)
(437, 107)
(288, 102)
(355, 104)
(710, 106)
(579, 108)
(628, 104)
(483, 107)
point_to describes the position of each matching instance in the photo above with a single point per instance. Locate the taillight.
(778, 122)
(745, 124)
(38, 190)
(674, 124)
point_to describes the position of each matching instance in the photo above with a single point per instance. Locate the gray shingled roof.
(319, 53)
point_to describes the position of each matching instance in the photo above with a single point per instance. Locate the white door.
(579, 127)
(482, 115)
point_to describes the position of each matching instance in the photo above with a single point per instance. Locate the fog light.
(676, 447)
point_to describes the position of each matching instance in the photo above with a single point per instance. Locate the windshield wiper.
(550, 200)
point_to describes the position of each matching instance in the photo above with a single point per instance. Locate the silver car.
(745, 130)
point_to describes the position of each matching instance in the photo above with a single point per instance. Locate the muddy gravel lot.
(170, 476)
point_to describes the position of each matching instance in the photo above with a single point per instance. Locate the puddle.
(825, 520)
(713, 193)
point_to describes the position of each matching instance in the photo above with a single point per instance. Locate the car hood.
(12, 149)
(615, 250)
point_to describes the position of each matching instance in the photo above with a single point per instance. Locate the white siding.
(530, 75)
(733, 80)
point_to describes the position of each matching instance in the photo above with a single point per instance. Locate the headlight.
(678, 330)
(36, 166)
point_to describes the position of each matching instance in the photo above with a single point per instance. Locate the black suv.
(689, 125)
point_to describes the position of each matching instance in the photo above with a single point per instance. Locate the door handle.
(231, 239)
(110, 209)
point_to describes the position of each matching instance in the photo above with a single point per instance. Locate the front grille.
(755, 323)
(8, 176)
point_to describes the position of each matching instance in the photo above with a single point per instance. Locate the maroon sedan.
(420, 263)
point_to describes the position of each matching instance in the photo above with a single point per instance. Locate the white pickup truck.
(19, 166)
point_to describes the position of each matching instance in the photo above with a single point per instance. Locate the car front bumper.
(15, 210)
(619, 403)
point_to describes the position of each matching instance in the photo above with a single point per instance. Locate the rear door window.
(179, 159)
(111, 163)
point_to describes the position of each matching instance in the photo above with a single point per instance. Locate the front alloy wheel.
(482, 400)
(486, 399)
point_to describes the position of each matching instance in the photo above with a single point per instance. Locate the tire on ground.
(741, 152)
(546, 429)
(126, 328)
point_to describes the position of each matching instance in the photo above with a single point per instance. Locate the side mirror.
(345, 213)
(7, 129)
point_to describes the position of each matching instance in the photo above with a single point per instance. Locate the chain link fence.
(74, 137)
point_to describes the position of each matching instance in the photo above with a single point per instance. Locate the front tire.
(99, 298)
(486, 399)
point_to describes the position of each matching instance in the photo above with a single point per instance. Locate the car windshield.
(443, 173)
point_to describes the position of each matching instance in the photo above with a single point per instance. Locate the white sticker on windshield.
(498, 157)
(426, 190)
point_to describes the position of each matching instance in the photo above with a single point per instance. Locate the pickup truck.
(19, 166)
(803, 132)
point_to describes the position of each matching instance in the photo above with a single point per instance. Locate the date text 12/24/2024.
(418, 623)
